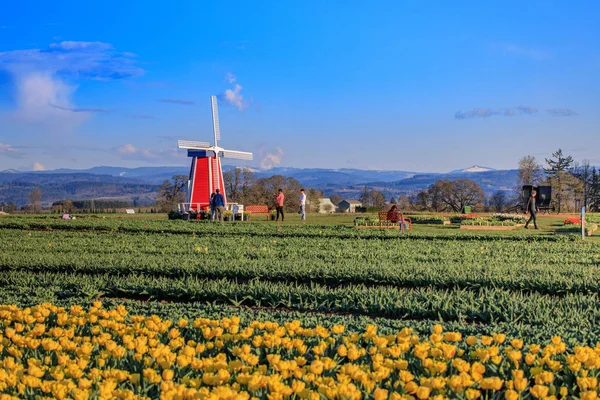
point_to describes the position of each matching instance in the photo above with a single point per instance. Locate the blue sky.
(404, 85)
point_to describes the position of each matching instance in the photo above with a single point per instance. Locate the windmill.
(206, 174)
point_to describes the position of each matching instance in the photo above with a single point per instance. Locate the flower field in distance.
(80, 353)
(426, 314)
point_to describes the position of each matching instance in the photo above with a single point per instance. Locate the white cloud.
(229, 77)
(488, 112)
(43, 79)
(10, 151)
(233, 97)
(127, 149)
(270, 159)
(38, 167)
(82, 109)
(178, 101)
(40, 97)
(529, 52)
(91, 60)
(70, 45)
(562, 112)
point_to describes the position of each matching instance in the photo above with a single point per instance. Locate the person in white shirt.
(302, 205)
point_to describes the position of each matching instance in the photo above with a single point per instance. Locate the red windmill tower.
(206, 174)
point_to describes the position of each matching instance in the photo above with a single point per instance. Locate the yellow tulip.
(472, 394)
(499, 338)
(411, 387)
(381, 394)
(423, 392)
(168, 374)
(588, 395)
(539, 391)
(511, 395)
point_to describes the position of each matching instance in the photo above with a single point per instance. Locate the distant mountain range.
(140, 184)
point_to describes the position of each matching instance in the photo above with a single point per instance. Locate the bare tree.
(336, 199)
(171, 192)
(365, 197)
(238, 183)
(420, 201)
(498, 200)
(530, 172)
(377, 199)
(35, 198)
(583, 172)
(459, 193)
(67, 205)
(435, 196)
(11, 207)
(372, 198)
(404, 203)
(264, 191)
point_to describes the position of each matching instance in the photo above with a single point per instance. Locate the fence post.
(583, 223)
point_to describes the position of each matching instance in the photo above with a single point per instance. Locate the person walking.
(533, 209)
(302, 206)
(280, 199)
(219, 204)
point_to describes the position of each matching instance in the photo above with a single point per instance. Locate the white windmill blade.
(192, 144)
(215, 116)
(241, 155)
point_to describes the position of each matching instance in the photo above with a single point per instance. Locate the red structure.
(206, 173)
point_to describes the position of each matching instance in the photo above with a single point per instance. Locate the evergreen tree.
(594, 191)
(313, 198)
(557, 170)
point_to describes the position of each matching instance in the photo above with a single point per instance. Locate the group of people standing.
(217, 205)
(280, 199)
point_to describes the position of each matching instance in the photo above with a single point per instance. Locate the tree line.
(573, 185)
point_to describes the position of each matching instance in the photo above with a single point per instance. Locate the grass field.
(475, 281)
(525, 284)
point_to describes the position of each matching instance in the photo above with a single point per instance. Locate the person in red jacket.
(279, 208)
(393, 215)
